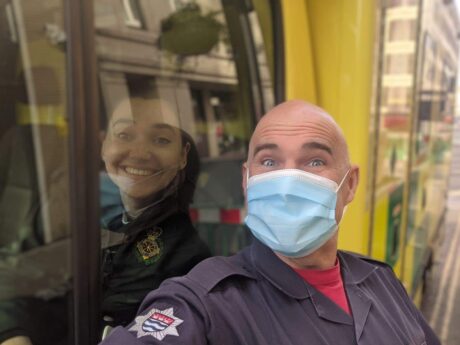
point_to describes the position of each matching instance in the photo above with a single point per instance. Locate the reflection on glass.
(142, 150)
(175, 91)
(396, 92)
(396, 111)
(35, 277)
(133, 15)
(195, 56)
(172, 74)
(151, 170)
(415, 109)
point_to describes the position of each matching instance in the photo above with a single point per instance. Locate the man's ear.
(185, 151)
(352, 183)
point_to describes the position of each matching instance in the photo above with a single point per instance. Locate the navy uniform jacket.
(253, 298)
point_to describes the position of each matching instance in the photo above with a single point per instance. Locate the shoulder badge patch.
(156, 323)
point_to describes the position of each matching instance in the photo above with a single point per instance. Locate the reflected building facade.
(415, 107)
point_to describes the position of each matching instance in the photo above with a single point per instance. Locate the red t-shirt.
(329, 283)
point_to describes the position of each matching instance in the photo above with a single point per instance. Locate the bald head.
(310, 124)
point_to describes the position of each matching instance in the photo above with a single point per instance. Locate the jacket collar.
(354, 270)
(277, 272)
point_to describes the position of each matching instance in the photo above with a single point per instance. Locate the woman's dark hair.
(191, 172)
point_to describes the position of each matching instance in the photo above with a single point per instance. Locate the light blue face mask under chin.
(292, 211)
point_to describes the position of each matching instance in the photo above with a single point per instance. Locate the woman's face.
(142, 149)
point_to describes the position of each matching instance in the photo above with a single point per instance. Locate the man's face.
(295, 137)
(143, 149)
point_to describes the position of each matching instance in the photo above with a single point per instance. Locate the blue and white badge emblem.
(157, 323)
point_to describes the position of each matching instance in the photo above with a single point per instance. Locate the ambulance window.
(215, 81)
(177, 110)
(35, 246)
(179, 100)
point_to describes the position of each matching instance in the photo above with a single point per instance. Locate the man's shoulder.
(364, 266)
(367, 259)
(213, 271)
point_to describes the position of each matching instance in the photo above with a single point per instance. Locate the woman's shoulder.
(187, 241)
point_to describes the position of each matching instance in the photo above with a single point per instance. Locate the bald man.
(291, 286)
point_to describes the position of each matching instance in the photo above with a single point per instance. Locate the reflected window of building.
(402, 30)
(399, 64)
(392, 96)
(133, 14)
(397, 3)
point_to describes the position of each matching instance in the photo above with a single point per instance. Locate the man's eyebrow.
(315, 145)
(264, 147)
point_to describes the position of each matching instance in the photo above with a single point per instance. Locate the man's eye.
(316, 163)
(268, 162)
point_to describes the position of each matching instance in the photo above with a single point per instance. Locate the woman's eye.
(268, 162)
(316, 163)
(123, 136)
(162, 141)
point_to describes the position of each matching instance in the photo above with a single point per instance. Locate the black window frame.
(84, 166)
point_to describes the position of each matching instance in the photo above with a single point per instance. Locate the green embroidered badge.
(150, 248)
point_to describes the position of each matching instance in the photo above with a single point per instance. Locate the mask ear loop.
(338, 188)
(341, 182)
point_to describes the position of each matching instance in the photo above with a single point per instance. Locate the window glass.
(35, 274)
(262, 61)
(182, 84)
(395, 109)
(180, 100)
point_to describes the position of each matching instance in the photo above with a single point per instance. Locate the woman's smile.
(139, 171)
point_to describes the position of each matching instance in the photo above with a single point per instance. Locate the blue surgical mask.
(292, 211)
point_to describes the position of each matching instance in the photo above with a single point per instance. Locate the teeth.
(140, 172)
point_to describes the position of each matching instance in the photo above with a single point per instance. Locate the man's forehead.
(301, 124)
(297, 112)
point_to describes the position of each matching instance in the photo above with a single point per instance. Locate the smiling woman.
(143, 150)
(152, 167)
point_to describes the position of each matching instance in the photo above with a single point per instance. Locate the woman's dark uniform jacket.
(133, 269)
(253, 298)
